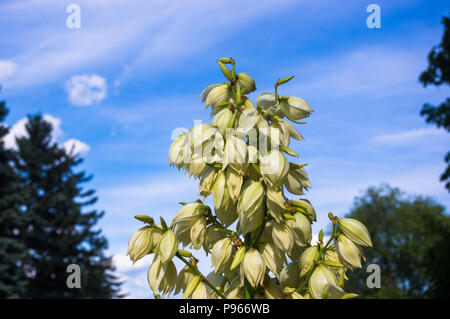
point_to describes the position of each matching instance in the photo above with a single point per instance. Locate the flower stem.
(197, 271)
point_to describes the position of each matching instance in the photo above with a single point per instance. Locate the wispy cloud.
(413, 137)
(155, 35)
(378, 70)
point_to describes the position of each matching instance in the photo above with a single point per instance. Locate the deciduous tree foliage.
(438, 73)
(410, 244)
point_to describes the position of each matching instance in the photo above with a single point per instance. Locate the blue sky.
(118, 86)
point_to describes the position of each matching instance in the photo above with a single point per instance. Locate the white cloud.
(76, 147)
(7, 69)
(18, 130)
(412, 137)
(85, 90)
(57, 132)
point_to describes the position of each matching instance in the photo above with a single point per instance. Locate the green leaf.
(184, 253)
(287, 150)
(238, 257)
(225, 71)
(145, 219)
(285, 80)
(332, 263)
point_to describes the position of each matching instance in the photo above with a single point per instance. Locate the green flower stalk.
(258, 234)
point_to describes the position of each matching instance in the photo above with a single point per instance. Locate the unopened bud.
(274, 168)
(319, 281)
(355, 231)
(221, 254)
(168, 246)
(349, 253)
(162, 277)
(307, 259)
(253, 267)
(251, 208)
(246, 82)
(295, 108)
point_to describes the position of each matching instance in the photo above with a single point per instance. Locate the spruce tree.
(12, 250)
(59, 232)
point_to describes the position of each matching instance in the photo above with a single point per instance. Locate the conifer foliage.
(47, 222)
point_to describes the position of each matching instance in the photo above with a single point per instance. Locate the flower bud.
(302, 227)
(355, 231)
(185, 276)
(235, 153)
(295, 108)
(292, 130)
(221, 254)
(251, 208)
(188, 215)
(248, 119)
(319, 281)
(225, 71)
(222, 119)
(175, 151)
(307, 259)
(349, 253)
(273, 257)
(290, 275)
(199, 136)
(234, 183)
(162, 276)
(274, 168)
(246, 82)
(275, 203)
(200, 292)
(215, 94)
(196, 167)
(225, 208)
(140, 244)
(296, 180)
(207, 181)
(282, 236)
(253, 267)
(279, 134)
(274, 292)
(198, 233)
(266, 100)
(167, 246)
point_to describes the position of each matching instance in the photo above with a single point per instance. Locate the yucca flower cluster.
(260, 241)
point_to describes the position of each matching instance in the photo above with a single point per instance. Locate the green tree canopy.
(438, 73)
(410, 244)
(12, 250)
(55, 230)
